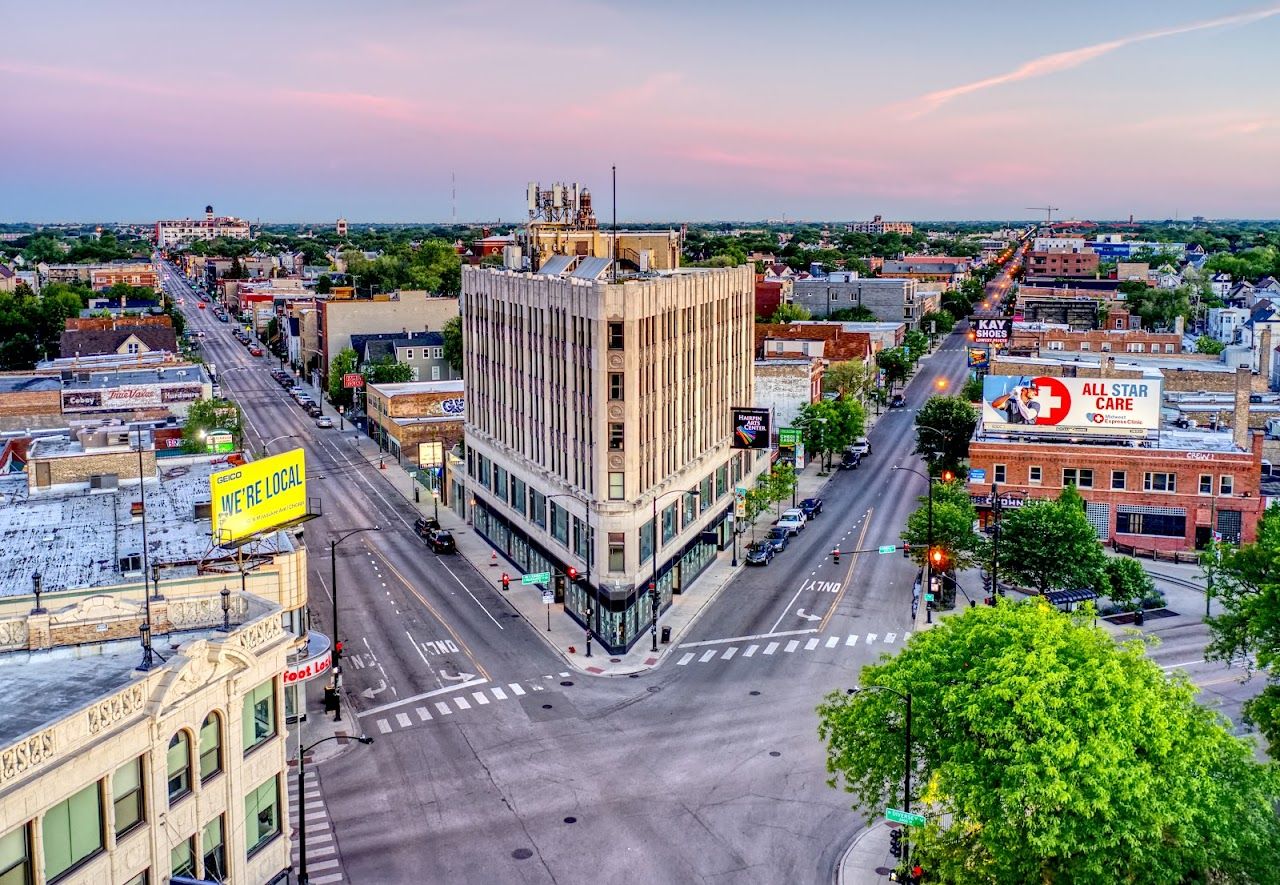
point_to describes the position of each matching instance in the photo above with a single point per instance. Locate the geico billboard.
(258, 496)
(1070, 406)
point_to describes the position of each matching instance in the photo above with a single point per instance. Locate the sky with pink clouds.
(289, 111)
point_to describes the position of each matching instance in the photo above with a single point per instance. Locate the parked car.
(314, 410)
(760, 554)
(862, 446)
(441, 541)
(795, 513)
(850, 460)
(201, 305)
(324, 421)
(811, 507)
(898, 401)
(778, 539)
(424, 525)
(792, 524)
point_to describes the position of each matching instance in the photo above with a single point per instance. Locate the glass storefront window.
(646, 542)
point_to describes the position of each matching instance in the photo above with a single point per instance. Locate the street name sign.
(536, 578)
(888, 548)
(907, 818)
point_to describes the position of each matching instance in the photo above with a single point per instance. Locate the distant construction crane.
(1047, 210)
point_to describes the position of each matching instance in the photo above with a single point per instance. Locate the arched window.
(210, 746)
(179, 766)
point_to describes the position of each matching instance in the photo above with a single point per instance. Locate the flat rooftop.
(139, 377)
(1168, 439)
(410, 387)
(76, 537)
(1147, 370)
(851, 326)
(1170, 363)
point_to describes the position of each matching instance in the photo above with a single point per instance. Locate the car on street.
(201, 305)
(778, 539)
(255, 351)
(324, 421)
(424, 525)
(850, 460)
(760, 554)
(898, 401)
(795, 513)
(313, 410)
(441, 541)
(861, 445)
(791, 524)
(811, 507)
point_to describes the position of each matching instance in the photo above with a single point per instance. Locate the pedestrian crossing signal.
(571, 573)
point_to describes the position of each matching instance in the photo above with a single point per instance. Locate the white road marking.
(706, 656)
(515, 689)
(564, 675)
(685, 660)
(423, 713)
(746, 638)
(792, 646)
(852, 640)
(479, 698)
(462, 703)
(415, 646)
(889, 637)
(730, 652)
(751, 650)
(871, 637)
(771, 648)
(833, 641)
(444, 708)
(498, 693)
(404, 720)
(811, 644)
(536, 687)
(471, 683)
(384, 727)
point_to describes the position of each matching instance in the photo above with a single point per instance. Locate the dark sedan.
(898, 401)
(811, 507)
(760, 554)
(778, 539)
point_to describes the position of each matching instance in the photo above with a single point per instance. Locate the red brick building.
(142, 275)
(1062, 264)
(786, 341)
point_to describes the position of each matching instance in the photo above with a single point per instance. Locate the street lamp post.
(266, 445)
(336, 651)
(906, 775)
(657, 537)
(303, 877)
(928, 553)
(591, 609)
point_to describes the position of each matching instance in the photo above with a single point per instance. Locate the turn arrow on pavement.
(801, 614)
(370, 692)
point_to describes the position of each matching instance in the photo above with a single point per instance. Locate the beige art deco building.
(114, 774)
(592, 403)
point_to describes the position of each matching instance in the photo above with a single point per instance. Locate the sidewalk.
(867, 860)
(565, 637)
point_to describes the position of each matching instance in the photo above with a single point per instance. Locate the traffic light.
(506, 581)
(654, 597)
(986, 581)
(937, 559)
(906, 551)
(895, 842)
(948, 475)
(558, 585)
(337, 653)
(835, 554)
(572, 574)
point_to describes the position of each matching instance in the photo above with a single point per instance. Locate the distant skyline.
(720, 110)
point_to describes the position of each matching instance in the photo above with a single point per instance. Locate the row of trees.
(830, 426)
(432, 265)
(31, 325)
(770, 490)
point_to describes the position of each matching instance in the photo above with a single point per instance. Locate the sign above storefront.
(317, 662)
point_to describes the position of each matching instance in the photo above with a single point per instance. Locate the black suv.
(425, 525)
(441, 541)
(811, 507)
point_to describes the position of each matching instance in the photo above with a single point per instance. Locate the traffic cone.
(493, 557)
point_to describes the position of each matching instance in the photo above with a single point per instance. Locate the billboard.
(990, 330)
(258, 496)
(750, 429)
(978, 358)
(352, 380)
(1026, 404)
(130, 396)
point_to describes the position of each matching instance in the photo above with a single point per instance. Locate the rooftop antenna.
(613, 245)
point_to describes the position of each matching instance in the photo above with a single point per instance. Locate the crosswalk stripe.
(811, 644)
(326, 880)
(707, 655)
(771, 648)
(515, 689)
(479, 698)
(462, 703)
(889, 637)
(404, 720)
(833, 642)
(730, 652)
(871, 637)
(564, 675)
(906, 636)
(498, 693)
(792, 646)
(751, 649)
(423, 713)
(686, 659)
(536, 687)
(851, 640)
(321, 865)
(444, 708)
(318, 837)
(384, 727)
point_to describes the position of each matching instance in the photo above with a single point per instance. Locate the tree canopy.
(388, 371)
(452, 332)
(895, 364)
(1050, 544)
(31, 325)
(830, 426)
(1045, 752)
(432, 265)
(205, 415)
(953, 520)
(944, 426)
(343, 362)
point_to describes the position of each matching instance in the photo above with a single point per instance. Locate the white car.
(795, 513)
(324, 421)
(790, 524)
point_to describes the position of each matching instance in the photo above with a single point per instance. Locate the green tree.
(859, 314)
(1206, 344)
(324, 285)
(787, 313)
(917, 344)
(452, 332)
(1246, 580)
(852, 379)
(781, 484)
(953, 520)
(972, 390)
(1125, 582)
(944, 426)
(941, 322)
(757, 502)
(1051, 545)
(895, 364)
(1044, 752)
(830, 426)
(388, 371)
(343, 363)
(205, 415)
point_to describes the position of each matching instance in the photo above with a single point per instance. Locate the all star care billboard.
(258, 496)
(1042, 405)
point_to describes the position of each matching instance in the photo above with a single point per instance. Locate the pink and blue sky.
(286, 111)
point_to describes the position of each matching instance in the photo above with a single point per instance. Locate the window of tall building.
(646, 542)
(179, 766)
(1159, 482)
(1118, 480)
(617, 434)
(15, 857)
(997, 473)
(210, 746)
(1226, 484)
(72, 831)
(259, 719)
(182, 858)
(616, 386)
(617, 551)
(669, 522)
(559, 523)
(213, 845)
(1206, 483)
(127, 797)
(262, 815)
(617, 486)
(518, 488)
(500, 482)
(538, 508)
(1034, 474)
(615, 336)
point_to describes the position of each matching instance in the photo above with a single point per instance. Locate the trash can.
(666, 635)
